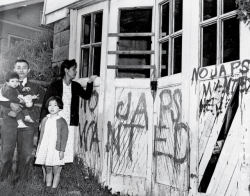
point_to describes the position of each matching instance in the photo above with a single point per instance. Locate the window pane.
(132, 21)
(86, 29)
(178, 15)
(131, 44)
(85, 63)
(98, 27)
(231, 41)
(209, 45)
(165, 20)
(134, 60)
(97, 61)
(209, 9)
(177, 55)
(14, 40)
(229, 5)
(134, 43)
(164, 59)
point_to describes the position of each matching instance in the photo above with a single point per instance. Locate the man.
(11, 136)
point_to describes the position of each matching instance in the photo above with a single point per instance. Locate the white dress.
(46, 153)
(65, 113)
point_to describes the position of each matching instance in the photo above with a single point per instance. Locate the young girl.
(52, 143)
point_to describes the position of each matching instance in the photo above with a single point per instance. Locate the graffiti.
(235, 67)
(131, 124)
(171, 105)
(89, 131)
(217, 95)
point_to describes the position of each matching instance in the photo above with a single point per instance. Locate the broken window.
(170, 40)
(91, 44)
(219, 32)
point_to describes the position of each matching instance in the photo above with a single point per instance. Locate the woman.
(69, 91)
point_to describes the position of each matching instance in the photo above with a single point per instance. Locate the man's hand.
(92, 78)
(61, 155)
(27, 89)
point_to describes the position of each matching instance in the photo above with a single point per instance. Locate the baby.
(9, 91)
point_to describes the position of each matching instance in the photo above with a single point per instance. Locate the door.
(171, 134)
(129, 102)
(219, 124)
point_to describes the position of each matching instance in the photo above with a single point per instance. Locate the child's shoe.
(53, 191)
(48, 188)
(21, 125)
(28, 119)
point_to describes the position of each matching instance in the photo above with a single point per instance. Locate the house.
(169, 114)
(19, 21)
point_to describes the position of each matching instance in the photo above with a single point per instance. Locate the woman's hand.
(92, 78)
(61, 155)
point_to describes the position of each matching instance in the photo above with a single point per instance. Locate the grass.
(76, 179)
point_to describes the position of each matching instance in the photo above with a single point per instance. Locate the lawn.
(76, 179)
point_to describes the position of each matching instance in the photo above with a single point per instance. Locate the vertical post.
(190, 61)
(244, 131)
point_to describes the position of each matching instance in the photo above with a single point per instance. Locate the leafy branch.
(243, 10)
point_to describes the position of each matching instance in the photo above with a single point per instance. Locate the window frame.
(16, 36)
(91, 45)
(150, 52)
(168, 38)
(218, 20)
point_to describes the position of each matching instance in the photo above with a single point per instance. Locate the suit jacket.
(56, 89)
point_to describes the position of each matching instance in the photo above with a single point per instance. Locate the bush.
(38, 52)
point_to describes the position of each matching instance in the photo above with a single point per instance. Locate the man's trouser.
(23, 138)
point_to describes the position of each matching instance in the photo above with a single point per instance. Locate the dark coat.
(56, 89)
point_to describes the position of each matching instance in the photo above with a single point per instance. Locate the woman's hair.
(67, 64)
(58, 101)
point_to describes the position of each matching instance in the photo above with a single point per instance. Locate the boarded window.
(135, 50)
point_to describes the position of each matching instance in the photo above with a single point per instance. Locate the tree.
(37, 51)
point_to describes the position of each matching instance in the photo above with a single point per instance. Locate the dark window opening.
(229, 5)
(165, 20)
(98, 27)
(135, 21)
(178, 15)
(231, 43)
(134, 60)
(97, 61)
(86, 29)
(209, 45)
(164, 59)
(177, 55)
(228, 119)
(91, 44)
(209, 9)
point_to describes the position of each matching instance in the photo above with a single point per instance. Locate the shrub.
(37, 51)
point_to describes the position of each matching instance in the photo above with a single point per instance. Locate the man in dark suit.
(11, 136)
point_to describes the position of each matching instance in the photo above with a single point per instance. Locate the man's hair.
(11, 75)
(22, 61)
(58, 101)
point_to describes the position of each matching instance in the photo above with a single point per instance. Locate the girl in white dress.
(52, 143)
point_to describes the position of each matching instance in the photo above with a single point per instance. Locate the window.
(91, 42)
(13, 39)
(219, 32)
(170, 40)
(134, 44)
